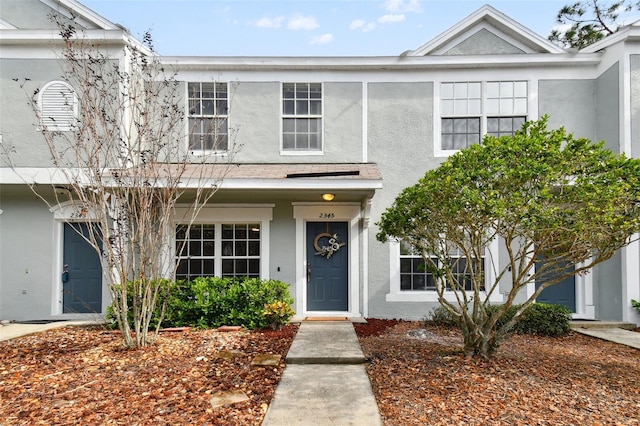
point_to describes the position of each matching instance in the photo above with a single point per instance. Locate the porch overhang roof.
(346, 176)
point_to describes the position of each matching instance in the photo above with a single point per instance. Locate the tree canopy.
(538, 194)
(587, 21)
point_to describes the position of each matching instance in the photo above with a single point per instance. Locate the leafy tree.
(587, 21)
(540, 194)
(125, 166)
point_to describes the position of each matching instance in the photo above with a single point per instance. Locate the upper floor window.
(58, 106)
(471, 109)
(302, 116)
(208, 117)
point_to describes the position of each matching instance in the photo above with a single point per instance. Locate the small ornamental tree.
(124, 165)
(539, 195)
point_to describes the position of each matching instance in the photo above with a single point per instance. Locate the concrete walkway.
(617, 335)
(14, 329)
(324, 382)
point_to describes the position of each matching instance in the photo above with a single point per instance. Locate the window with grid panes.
(416, 275)
(221, 250)
(208, 115)
(240, 250)
(302, 116)
(472, 109)
(195, 251)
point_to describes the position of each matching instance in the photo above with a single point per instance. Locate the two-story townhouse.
(327, 144)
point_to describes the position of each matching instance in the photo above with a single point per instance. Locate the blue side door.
(327, 266)
(82, 280)
(562, 293)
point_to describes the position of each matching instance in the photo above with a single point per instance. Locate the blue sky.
(306, 27)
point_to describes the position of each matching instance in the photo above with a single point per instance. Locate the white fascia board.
(183, 63)
(311, 184)
(4, 25)
(25, 36)
(34, 175)
(84, 15)
(631, 32)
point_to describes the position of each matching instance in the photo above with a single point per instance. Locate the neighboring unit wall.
(635, 105)
(27, 253)
(608, 108)
(18, 123)
(569, 103)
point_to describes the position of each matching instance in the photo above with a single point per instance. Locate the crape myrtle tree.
(584, 22)
(126, 165)
(540, 195)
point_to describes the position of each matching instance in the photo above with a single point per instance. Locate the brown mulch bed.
(81, 375)
(421, 377)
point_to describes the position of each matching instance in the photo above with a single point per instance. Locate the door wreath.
(329, 249)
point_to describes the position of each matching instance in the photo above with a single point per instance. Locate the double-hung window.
(418, 275)
(208, 117)
(470, 110)
(220, 249)
(301, 117)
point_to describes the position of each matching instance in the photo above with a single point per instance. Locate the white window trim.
(199, 154)
(44, 121)
(397, 295)
(230, 213)
(532, 110)
(285, 152)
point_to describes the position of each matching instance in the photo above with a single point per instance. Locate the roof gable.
(34, 15)
(486, 32)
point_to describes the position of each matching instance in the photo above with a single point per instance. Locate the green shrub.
(210, 302)
(441, 316)
(545, 320)
(539, 318)
(636, 305)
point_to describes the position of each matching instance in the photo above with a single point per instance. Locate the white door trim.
(329, 212)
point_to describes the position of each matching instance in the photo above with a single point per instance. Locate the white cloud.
(362, 25)
(299, 22)
(400, 6)
(322, 39)
(391, 18)
(356, 24)
(267, 22)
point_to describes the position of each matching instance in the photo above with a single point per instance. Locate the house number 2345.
(327, 215)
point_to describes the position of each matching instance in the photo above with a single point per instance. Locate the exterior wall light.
(328, 197)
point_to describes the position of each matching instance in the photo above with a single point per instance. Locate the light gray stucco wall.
(27, 14)
(27, 253)
(608, 289)
(18, 124)
(483, 42)
(569, 103)
(400, 129)
(255, 112)
(635, 105)
(608, 108)
(283, 245)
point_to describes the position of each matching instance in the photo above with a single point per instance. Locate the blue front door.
(327, 266)
(82, 279)
(562, 293)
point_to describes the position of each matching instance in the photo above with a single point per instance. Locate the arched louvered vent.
(58, 106)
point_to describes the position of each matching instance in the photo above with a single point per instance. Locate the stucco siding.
(608, 108)
(484, 42)
(608, 289)
(401, 143)
(26, 250)
(18, 123)
(635, 105)
(569, 103)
